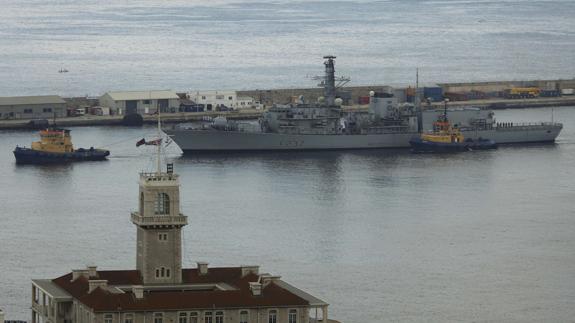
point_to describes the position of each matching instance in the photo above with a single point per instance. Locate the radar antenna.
(328, 81)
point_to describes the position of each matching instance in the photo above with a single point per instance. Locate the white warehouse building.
(213, 99)
(142, 102)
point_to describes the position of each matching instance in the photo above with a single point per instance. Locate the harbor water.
(186, 45)
(381, 235)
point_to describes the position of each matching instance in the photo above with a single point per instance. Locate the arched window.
(193, 317)
(273, 316)
(183, 317)
(208, 317)
(244, 316)
(219, 317)
(292, 316)
(162, 205)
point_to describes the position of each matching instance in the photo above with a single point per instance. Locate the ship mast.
(329, 86)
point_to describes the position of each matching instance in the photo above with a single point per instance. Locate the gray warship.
(323, 125)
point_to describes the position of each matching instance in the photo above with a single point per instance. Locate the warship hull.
(190, 140)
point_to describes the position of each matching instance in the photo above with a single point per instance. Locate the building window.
(163, 272)
(162, 204)
(158, 317)
(163, 236)
(292, 316)
(203, 97)
(46, 110)
(183, 317)
(146, 101)
(219, 97)
(194, 317)
(219, 317)
(273, 316)
(108, 318)
(244, 316)
(208, 317)
(128, 318)
(229, 98)
(27, 110)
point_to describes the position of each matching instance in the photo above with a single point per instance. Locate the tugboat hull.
(423, 146)
(31, 156)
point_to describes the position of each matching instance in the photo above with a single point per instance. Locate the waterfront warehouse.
(32, 107)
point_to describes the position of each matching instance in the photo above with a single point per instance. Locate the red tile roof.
(103, 300)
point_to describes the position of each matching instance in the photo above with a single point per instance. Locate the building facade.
(213, 100)
(32, 107)
(141, 102)
(159, 290)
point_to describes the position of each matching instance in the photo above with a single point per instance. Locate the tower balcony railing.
(178, 220)
(158, 177)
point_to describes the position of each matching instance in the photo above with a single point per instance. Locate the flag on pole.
(154, 142)
(149, 143)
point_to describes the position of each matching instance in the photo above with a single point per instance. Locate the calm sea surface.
(382, 235)
(238, 44)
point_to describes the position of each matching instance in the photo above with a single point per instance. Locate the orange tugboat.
(447, 138)
(55, 146)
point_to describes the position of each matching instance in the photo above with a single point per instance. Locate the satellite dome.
(371, 93)
(338, 101)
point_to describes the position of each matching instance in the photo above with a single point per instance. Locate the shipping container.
(550, 93)
(452, 96)
(362, 100)
(435, 94)
(410, 91)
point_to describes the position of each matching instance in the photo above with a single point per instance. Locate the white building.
(230, 99)
(142, 102)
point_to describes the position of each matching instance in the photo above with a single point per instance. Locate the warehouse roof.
(142, 95)
(28, 100)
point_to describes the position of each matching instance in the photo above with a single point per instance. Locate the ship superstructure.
(324, 125)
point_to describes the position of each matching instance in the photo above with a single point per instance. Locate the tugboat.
(55, 146)
(447, 138)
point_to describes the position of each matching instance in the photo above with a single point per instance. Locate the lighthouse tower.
(159, 225)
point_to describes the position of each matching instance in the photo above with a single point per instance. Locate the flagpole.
(160, 139)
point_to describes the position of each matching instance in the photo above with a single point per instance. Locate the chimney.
(202, 268)
(77, 273)
(138, 291)
(92, 271)
(95, 283)
(256, 288)
(246, 270)
(266, 279)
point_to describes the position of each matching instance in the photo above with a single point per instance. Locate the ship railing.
(526, 125)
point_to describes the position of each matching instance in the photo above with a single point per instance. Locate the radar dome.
(321, 99)
(338, 101)
(371, 93)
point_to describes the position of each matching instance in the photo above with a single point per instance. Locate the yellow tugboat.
(446, 138)
(55, 146)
